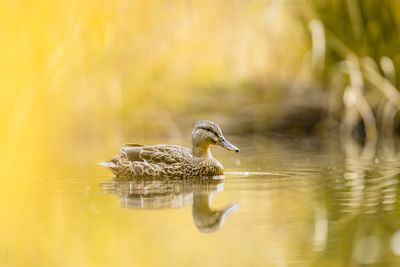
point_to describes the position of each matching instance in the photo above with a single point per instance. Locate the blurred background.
(80, 78)
(76, 75)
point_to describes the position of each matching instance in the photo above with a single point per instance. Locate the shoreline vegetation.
(78, 77)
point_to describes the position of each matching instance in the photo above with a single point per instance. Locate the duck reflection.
(174, 194)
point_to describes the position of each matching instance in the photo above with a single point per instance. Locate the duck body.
(171, 161)
(163, 161)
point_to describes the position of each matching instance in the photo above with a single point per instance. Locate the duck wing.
(133, 144)
(168, 154)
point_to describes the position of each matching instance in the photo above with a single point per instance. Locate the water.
(283, 203)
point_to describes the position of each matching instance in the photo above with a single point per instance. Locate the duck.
(172, 161)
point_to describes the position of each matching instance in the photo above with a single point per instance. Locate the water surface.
(283, 202)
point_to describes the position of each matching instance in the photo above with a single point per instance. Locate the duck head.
(205, 134)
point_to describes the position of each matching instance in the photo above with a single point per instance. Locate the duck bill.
(226, 145)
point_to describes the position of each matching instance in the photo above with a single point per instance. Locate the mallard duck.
(159, 161)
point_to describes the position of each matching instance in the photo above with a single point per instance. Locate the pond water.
(283, 202)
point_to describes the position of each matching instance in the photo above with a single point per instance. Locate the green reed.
(355, 56)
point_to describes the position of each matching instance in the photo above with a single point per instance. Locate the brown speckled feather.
(163, 161)
(156, 154)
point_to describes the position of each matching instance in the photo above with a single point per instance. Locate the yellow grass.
(77, 74)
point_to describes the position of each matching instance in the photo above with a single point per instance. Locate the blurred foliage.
(79, 78)
(355, 57)
(76, 75)
(365, 28)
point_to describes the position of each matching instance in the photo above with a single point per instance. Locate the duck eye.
(208, 129)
